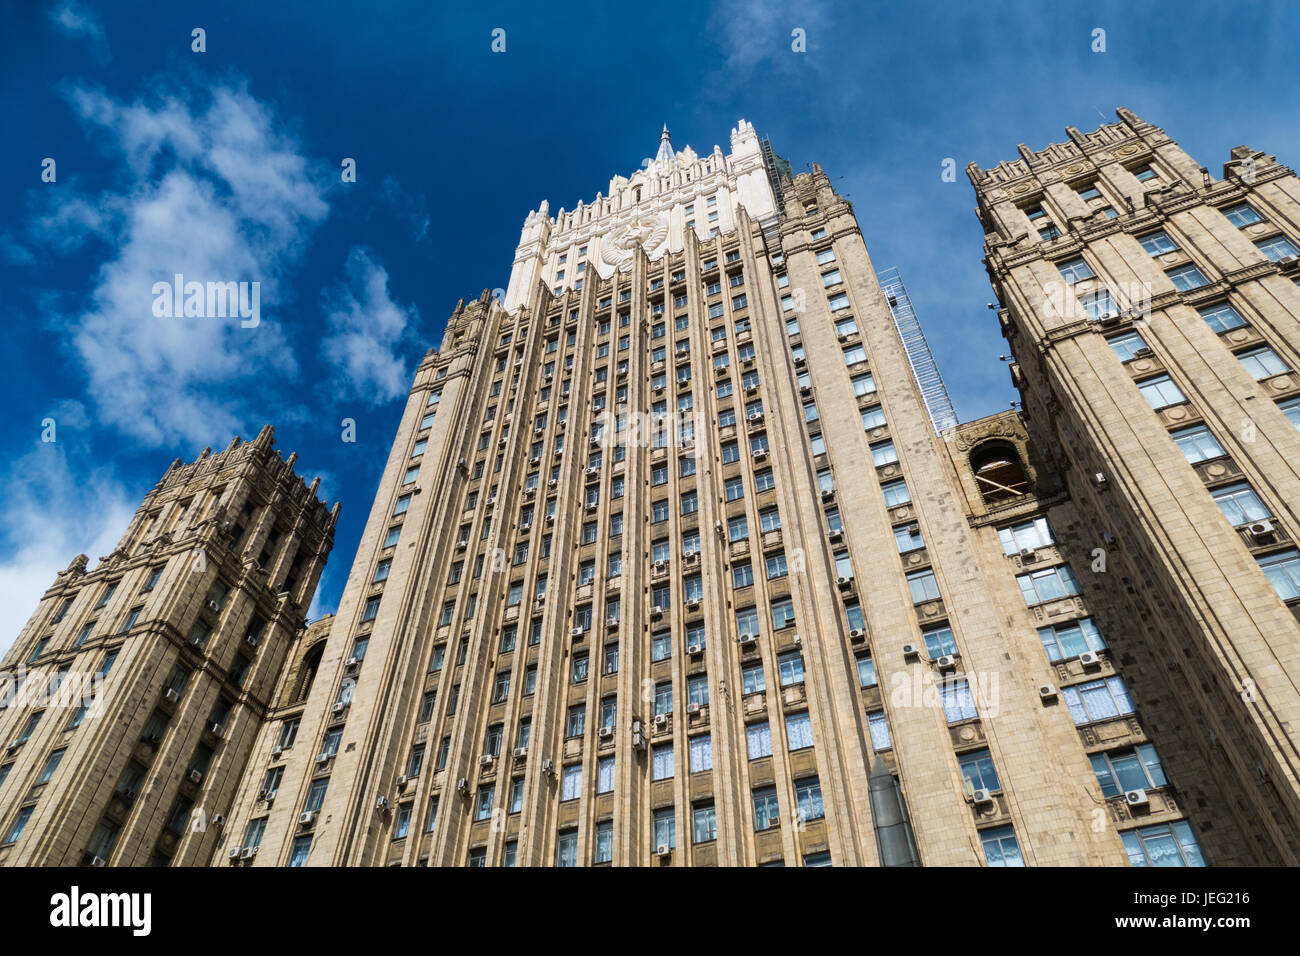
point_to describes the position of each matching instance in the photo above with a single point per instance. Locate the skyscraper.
(1152, 312)
(679, 559)
(130, 702)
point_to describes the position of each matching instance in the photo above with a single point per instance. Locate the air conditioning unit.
(593, 471)
(1099, 478)
(611, 622)
(605, 733)
(525, 526)
(659, 566)
(461, 463)
(595, 441)
(553, 483)
(909, 651)
(462, 785)
(690, 557)
(218, 731)
(746, 638)
(275, 752)
(233, 853)
(486, 760)
(196, 640)
(835, 536)
(844, 583)
(981, 796)
(550, 519)
(520, 753)
(307, 818)
(760, 455)
(661, 720)
(214, 606)
(828, 494)
(252, 640)
(592, 508)
(171, 695)
(1090, 659)
(340, 707)
(663, 849)
(694, 649)
(947, 662)
(402, 781)
(576, 632)
(1136, 799)
(693, 708)
(535, 460)
(656, 611)
(383, 805)
(218, 819)
(248, 852)
(322, 758)
(754, 416)
(857, 634)
(692, 605)
(548, 766)
(1028, 554)
(1143, 353)
(98, 861)
(1262, 529)
(501, 442)
(805, 389)
(1288, 262)
(1047, 692)
(195, 776)
(491, 501)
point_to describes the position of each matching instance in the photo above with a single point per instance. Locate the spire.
(665, 154)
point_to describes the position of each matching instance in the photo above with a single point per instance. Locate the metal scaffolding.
(924, 369)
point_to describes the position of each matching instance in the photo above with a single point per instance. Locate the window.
(1122, 770)
(873, 417)
(978, 771)
(576, 721)
(704, 824)
(571, 785)
(782, 614)
(1161, 392)
(790, 667)
(808, 798)
(1027, 536)
(1277, 247)
(758, 737)
(1262, 363)
(896, 493)
(751, 678)
(958, 704)
(1186, 277)
(402, 826)
(1283, 571)
(1074, 270)
(1126, 346)
(51, 765)
(661, 762)
(483, 802)
(701, 753)
(1291, 409)
(798, 731)
(883, 453)
(854, 354)
(1197, 444)
(939, 641)
(1089, 192)
(1000, 847)
(742, 575)
(1170, 844)
(1157, 243)
(665, 828)
(1221, 317)
(604, 849)
(1064, 641)
(767, 813)
(1048, 584)
(1241, 215)
(1097, 700)
(923, 586)
(1240, 504)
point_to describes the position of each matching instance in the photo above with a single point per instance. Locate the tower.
(677, 559)
(1152, 309)
(133, 696)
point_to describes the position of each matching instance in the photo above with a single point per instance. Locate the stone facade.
(1152, 309)
(133, 697)
(583, 628)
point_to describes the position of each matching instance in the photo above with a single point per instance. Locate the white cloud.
(366, 329)
(52, 513)
(759, 33)
(215, 193)
(77, 20)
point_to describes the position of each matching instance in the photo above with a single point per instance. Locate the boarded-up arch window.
(307, 674)
(998, 472)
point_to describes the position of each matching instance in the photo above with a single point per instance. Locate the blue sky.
(225, 164)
